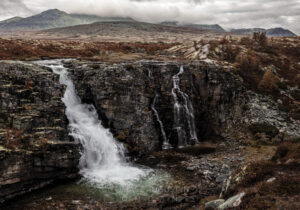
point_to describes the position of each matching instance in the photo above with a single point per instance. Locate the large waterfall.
(183, 114)
(102, 158)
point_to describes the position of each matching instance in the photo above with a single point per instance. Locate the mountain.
(121, 27)
(247, 31)
(10, 20)
(52, 19)
(277, 32)
(214, 27)
(204, 27)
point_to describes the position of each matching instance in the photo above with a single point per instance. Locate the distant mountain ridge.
(206, 27)
(276, 32)
(53, 18)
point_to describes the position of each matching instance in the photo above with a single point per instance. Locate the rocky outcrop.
(24, 171)
(35, 149)
(263, 110)
(123, 95)
(30, 105)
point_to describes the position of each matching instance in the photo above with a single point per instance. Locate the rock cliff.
(35, 149)
(136, 102)
(123, 95)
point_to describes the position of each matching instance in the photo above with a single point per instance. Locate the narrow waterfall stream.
(183, 112)
(166, 144)
(103, 164)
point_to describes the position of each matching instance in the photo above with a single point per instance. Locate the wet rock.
(123, 98)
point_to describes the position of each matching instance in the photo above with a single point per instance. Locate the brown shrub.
(248, 66)
(260, 38)
(247, 41)
(287, 151)
(224, 40)
(213, 44)
(230, 52)
(248, 62)
(269, 82)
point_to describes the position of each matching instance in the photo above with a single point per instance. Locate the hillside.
(214, 27)
(277, 32)
(128, 31)
(52, 19)
(110, 26)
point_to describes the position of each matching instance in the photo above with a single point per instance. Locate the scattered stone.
(75, 202)
(271, 180)
(234, 201)
(214, 204)
(49, 198)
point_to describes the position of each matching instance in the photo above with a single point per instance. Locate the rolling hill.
(205, 27)
(52, 19)
(275, 32)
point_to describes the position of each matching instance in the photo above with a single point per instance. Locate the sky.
(228, 13)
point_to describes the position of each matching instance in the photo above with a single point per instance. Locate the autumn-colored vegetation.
(37, 49)
(269, 82)
(273, 183)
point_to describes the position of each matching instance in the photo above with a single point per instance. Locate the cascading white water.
(189, 113)
(102, 160)
(166, 144)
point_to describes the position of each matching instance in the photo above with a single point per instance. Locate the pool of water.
(148, 187)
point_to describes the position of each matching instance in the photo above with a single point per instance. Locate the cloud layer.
(11, 8)
(228, 13)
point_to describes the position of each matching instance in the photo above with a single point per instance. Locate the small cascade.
(183, 114)
(166, 144)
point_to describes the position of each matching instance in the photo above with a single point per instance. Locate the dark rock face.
(35, 149)
(30, 104)
(24, 171)
(123, 94)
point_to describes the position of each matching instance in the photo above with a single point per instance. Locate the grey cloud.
(228, 13)
(10, 8)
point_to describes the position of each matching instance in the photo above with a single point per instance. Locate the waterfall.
(102, 158)
(183, 112)
(166, 144)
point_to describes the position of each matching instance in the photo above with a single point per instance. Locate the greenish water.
(150, 186)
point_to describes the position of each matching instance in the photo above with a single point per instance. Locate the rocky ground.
(245, 94)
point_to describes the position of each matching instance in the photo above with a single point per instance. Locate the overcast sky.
(227, 13)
